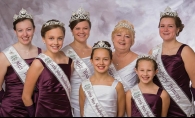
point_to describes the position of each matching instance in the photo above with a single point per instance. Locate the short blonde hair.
(119, 29)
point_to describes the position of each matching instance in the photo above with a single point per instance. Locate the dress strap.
(159, 91)
(39, 50)
(180, 49)
(114, 83)
(69, 61)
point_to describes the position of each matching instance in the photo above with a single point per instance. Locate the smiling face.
(145, 71)
(101, 60)
(24, 31)
(81, 31)
(123, 39)
(168, 29)
(54, 40)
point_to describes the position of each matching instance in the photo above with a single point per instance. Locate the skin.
(24, 32)
(54, 41)
(122, 56)
(146, 72)
(101, 62)
(81, 33)
(168, 32)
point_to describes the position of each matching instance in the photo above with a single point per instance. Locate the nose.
(101, 61)
(25, 33)
(56, 41)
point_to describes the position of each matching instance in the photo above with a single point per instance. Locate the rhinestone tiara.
(22, 14)
(146, 56)
(101, 44)
(168, 12)
(53, 23)
(80, 14)
(125, 25)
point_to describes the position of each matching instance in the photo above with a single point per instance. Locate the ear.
(135, 70)
(156, 71)
(43, 39)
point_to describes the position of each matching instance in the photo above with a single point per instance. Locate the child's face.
(54, 40)
(101, 60)
(145, 71)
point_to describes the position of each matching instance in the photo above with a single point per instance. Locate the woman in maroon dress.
(15, 61)
(176, 65)
(50, 74)
(146, 95)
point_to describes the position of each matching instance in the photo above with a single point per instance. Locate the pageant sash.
(140, 102)
(79, 65)
(19, 65)
(113, 72)
(96, 106)
(57, 71)
(170, 85)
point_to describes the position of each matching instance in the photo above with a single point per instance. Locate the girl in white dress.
(101, 95)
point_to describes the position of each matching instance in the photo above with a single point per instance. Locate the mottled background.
(104, 14)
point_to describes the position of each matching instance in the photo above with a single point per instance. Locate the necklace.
(118, 57)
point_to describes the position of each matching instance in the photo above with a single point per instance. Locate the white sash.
(113, 72)
(58, 72)
(18, 64)
(96, 106)
(140, 102)
(170, 85)
(79, 65)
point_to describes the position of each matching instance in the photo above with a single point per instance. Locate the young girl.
(146, 98)
(101, 95)
(50, 72)
(15, 61)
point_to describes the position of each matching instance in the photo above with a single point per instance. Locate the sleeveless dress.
(128, 75)
(174, 66)
(12, 104)
(75, 84)
(51, 98)
(107, 97)
(154, 101)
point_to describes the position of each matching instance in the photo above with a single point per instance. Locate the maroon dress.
(12, 104)
(154, 101)
(174, 66)
(51, 99)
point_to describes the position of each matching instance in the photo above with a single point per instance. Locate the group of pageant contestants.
(79, 80)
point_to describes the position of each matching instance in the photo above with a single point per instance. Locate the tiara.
(146, 56)
(22, 14)
(125, 25)
(79, 14)
(101, 44)
(168, 12)
(53, 23)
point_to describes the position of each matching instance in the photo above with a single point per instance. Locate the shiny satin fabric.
(12, 104)
(154, 102)
(51, 99)
(174, 65)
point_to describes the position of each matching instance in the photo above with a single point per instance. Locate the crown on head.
(79, 14)
(101, 44)
(22, 14)
(53, 23)
(125, 25)
(168, 12)
(146, 56)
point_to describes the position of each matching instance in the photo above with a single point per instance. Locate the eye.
(162, 26)
(170, 26)
(51, 38)
(118, 34)
(127, 36)
(86, 28)
(77, 28)
(29, 29)
(19, 30)
(60, 38)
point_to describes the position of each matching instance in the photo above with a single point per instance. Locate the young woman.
(15, 61)
(146, 98)
(49, 74)
(176, 66)
(80, 52)
(101, 95)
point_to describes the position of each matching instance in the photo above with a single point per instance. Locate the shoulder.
(187, 50)
(164, 95)
(4, 59)
(119, 86)
(37, 63)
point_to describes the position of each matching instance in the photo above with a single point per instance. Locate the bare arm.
(120, 100)
(4, 64)
(81, 100)
(188, 57)
(31, 78)
(165, 103)
(128, 103)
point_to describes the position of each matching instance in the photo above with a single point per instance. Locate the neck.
(145, 86)
(169, 44)
(100, 76)
(53, 56)
(122, 53)
(79, 45)
(24, 47)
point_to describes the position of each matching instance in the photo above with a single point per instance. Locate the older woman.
(124, 59)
